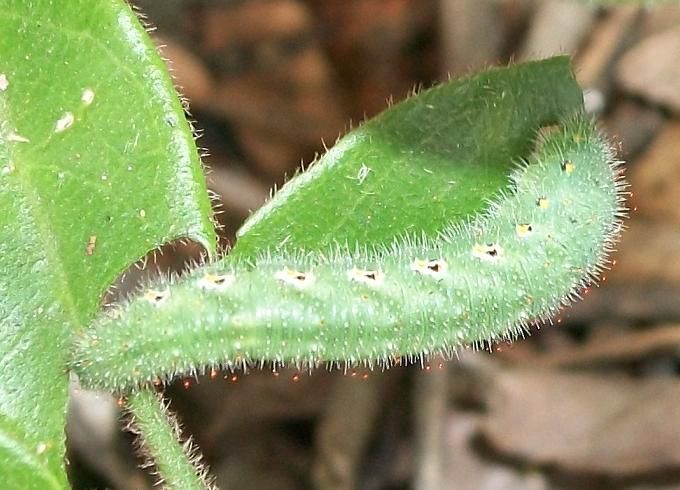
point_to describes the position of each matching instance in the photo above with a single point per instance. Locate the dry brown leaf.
(654, 178)
(585, 423)
(651, 69)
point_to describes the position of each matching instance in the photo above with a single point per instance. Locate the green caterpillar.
(529, 253)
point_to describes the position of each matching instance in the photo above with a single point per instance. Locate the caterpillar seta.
(530, 252)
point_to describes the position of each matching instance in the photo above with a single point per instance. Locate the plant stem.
(177, 463)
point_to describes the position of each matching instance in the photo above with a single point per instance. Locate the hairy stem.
(177, 463)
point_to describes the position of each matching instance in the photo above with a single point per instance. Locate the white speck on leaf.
(88, 96)
(4, 83)
(17, 138)
(40, 448)
(64, 122)
(362, 174)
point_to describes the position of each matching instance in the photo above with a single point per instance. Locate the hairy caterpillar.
(529, 253)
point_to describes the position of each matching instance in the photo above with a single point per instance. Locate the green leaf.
(97, 167)
(430, 160)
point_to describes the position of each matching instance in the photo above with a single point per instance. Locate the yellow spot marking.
(523, 229)
(433, 268)
(215, 281)
(488, 252)
(295, 278)
(372, 278)
(156, 297)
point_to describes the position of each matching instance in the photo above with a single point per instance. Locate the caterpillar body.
(538, 243)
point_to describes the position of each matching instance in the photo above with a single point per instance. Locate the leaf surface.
(425, 162)
(97, 167)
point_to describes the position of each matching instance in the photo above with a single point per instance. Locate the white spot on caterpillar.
(17, 138)
(64, 122)
(156, 297)
(568, 166)
(523, 229)
(372, 278)
(543, 202)
(88, 96)
(489, 252)
(4, 83)
(215, 281)
(295, 278)
(433, 268)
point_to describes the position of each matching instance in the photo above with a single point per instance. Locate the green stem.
(177, 463)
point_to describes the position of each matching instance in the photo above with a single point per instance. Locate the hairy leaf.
(97, 167)
(429, 160)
